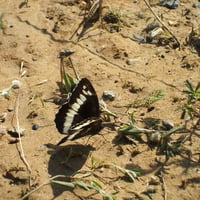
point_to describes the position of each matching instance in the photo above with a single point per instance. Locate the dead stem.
(18, 130)
(164, 187)
(160, 21)
(21, 152)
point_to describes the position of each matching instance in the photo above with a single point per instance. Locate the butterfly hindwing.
(87, 127)
(80, 112)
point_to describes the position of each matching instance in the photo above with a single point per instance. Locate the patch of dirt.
(32, 36)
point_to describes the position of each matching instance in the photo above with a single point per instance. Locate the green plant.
(131, 131)
(132, 174)
(69, 83)
(87, 185)
(155, 96)
(167, 146)
(193, 95)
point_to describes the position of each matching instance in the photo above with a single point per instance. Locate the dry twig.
(160, 21)
(22, 156)
(164, 187)
(18, 130)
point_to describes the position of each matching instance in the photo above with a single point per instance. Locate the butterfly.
(80, 115)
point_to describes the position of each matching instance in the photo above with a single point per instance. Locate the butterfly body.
(80, 115)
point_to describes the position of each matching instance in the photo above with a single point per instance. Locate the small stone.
(167, 125)
(34, 58)
(155, 32)
(172, 4)
(155, 137)
(65, 53)
(3, 116)
(151, 189)
(154, 180)
(154, 164)
(139, 38)
(100, 49)
(14, 132)
(3, 130)
(131, 61)
(173, 23)
(108, 95)
(10, 108)
(35, 127)
(196, 5)
(16, 84)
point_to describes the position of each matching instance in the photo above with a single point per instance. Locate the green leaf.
(189, 86)
(130, 130)
(82, 185)
(68, 184)
(197, 87)
(69, 83)
(132, 119)
(132, 174)
(96, 185)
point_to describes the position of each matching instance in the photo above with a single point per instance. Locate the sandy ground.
(32, 36)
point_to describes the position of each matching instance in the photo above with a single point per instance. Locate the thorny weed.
(145, 102)
(87, 185)
(78, 181)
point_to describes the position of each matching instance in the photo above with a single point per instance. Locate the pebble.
(151, 26)
(155, 137)
(196, 5)
(3, 116)
(172, 4)
(10, 108)
(139, 38)
(154, 164)
(34, 58)
(65, 53)
(35, 127)
(108, 95)
(154, 180)
(100, 49)
(131, 61)
(151, 189)
(16, 84)
(167, 124)
(155, 32)
(3, 130)
(173, 23)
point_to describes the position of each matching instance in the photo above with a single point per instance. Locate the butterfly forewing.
(79, 112)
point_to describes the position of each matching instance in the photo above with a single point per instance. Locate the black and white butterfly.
(80, 115)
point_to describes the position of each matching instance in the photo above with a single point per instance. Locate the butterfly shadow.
(65, 161)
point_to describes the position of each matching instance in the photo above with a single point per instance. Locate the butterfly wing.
(82, 106)
(87, 127)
